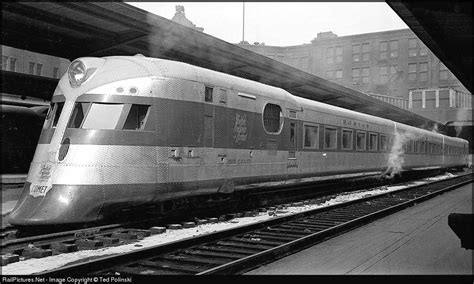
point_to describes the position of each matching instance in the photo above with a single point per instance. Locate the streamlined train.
(132, 131)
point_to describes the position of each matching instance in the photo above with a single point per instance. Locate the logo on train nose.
(45, 172)
(240, 128)
(42, 183)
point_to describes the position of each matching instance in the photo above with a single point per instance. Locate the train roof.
(157, 67)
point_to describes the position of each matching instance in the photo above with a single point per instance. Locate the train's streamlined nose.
(61, 205)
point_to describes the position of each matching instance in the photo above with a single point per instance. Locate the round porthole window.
(272, 118)
(64, 149)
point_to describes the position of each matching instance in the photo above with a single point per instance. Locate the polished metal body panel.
(190, 146)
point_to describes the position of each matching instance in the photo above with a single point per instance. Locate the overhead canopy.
(446, 28)
(76, 29)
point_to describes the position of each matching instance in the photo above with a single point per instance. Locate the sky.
(281, 23)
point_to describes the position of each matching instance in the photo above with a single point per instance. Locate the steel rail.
(242, 265)
(8, 245)
(244, 262)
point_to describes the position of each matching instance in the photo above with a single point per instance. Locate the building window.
(423, 50)
(412, 48)
(412, 72)
(272, 118)
(355, 75)
(360, 141)
(393, 48)
(365, 52)
(346, 139)
(383, 73)
(31, 68)
(356, 53)
(443, 72)
(330, 138)
(12, 64)
(383, 50)
(39, 68)
(208, 94)
(338, 54)
(4, 62)
(339, 74)
(365, 75)
(55, 72)
(423, 71)
(311, 136)
(330, 55)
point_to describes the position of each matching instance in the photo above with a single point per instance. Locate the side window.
(311, 136)
(346, 139)
(78, 114)
(48, 120)
(361, 140)
(57, 113)
(410, 146)
(136, 117)
(383, 142)
(372, 142)
(208, 94)
(272, 118)
(103, 116)
(223, 96)
(330, 138)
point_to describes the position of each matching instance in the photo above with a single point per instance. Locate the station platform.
(414, 241)
(11, 187)
(13, 178)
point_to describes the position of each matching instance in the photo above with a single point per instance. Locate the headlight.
(76, 73)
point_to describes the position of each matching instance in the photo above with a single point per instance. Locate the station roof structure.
(76, 29)
(446, 28)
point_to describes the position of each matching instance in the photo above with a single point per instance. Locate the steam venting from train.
(396, 157)
(165, 40)
(461, 115)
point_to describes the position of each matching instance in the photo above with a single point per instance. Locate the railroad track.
(237, 250)
(52, 241)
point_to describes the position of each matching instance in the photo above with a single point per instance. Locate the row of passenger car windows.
(311, 139)
(101, 116)
(376, 142)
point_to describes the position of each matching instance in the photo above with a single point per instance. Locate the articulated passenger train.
(130, 131)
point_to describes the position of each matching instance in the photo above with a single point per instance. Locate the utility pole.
(243, 21)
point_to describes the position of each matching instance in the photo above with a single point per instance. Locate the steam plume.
(396, 157)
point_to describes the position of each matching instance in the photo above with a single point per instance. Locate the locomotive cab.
(70, 168)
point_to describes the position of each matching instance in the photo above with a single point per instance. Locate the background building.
(27, 62)
(387, 65)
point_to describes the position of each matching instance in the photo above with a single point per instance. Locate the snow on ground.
(32, 266)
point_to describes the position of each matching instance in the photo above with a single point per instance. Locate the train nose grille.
(64, 149)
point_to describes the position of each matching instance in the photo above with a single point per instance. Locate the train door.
(292, 163)
(208, 120)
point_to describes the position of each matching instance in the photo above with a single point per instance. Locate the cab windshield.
(108, 116)
(52, 117)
